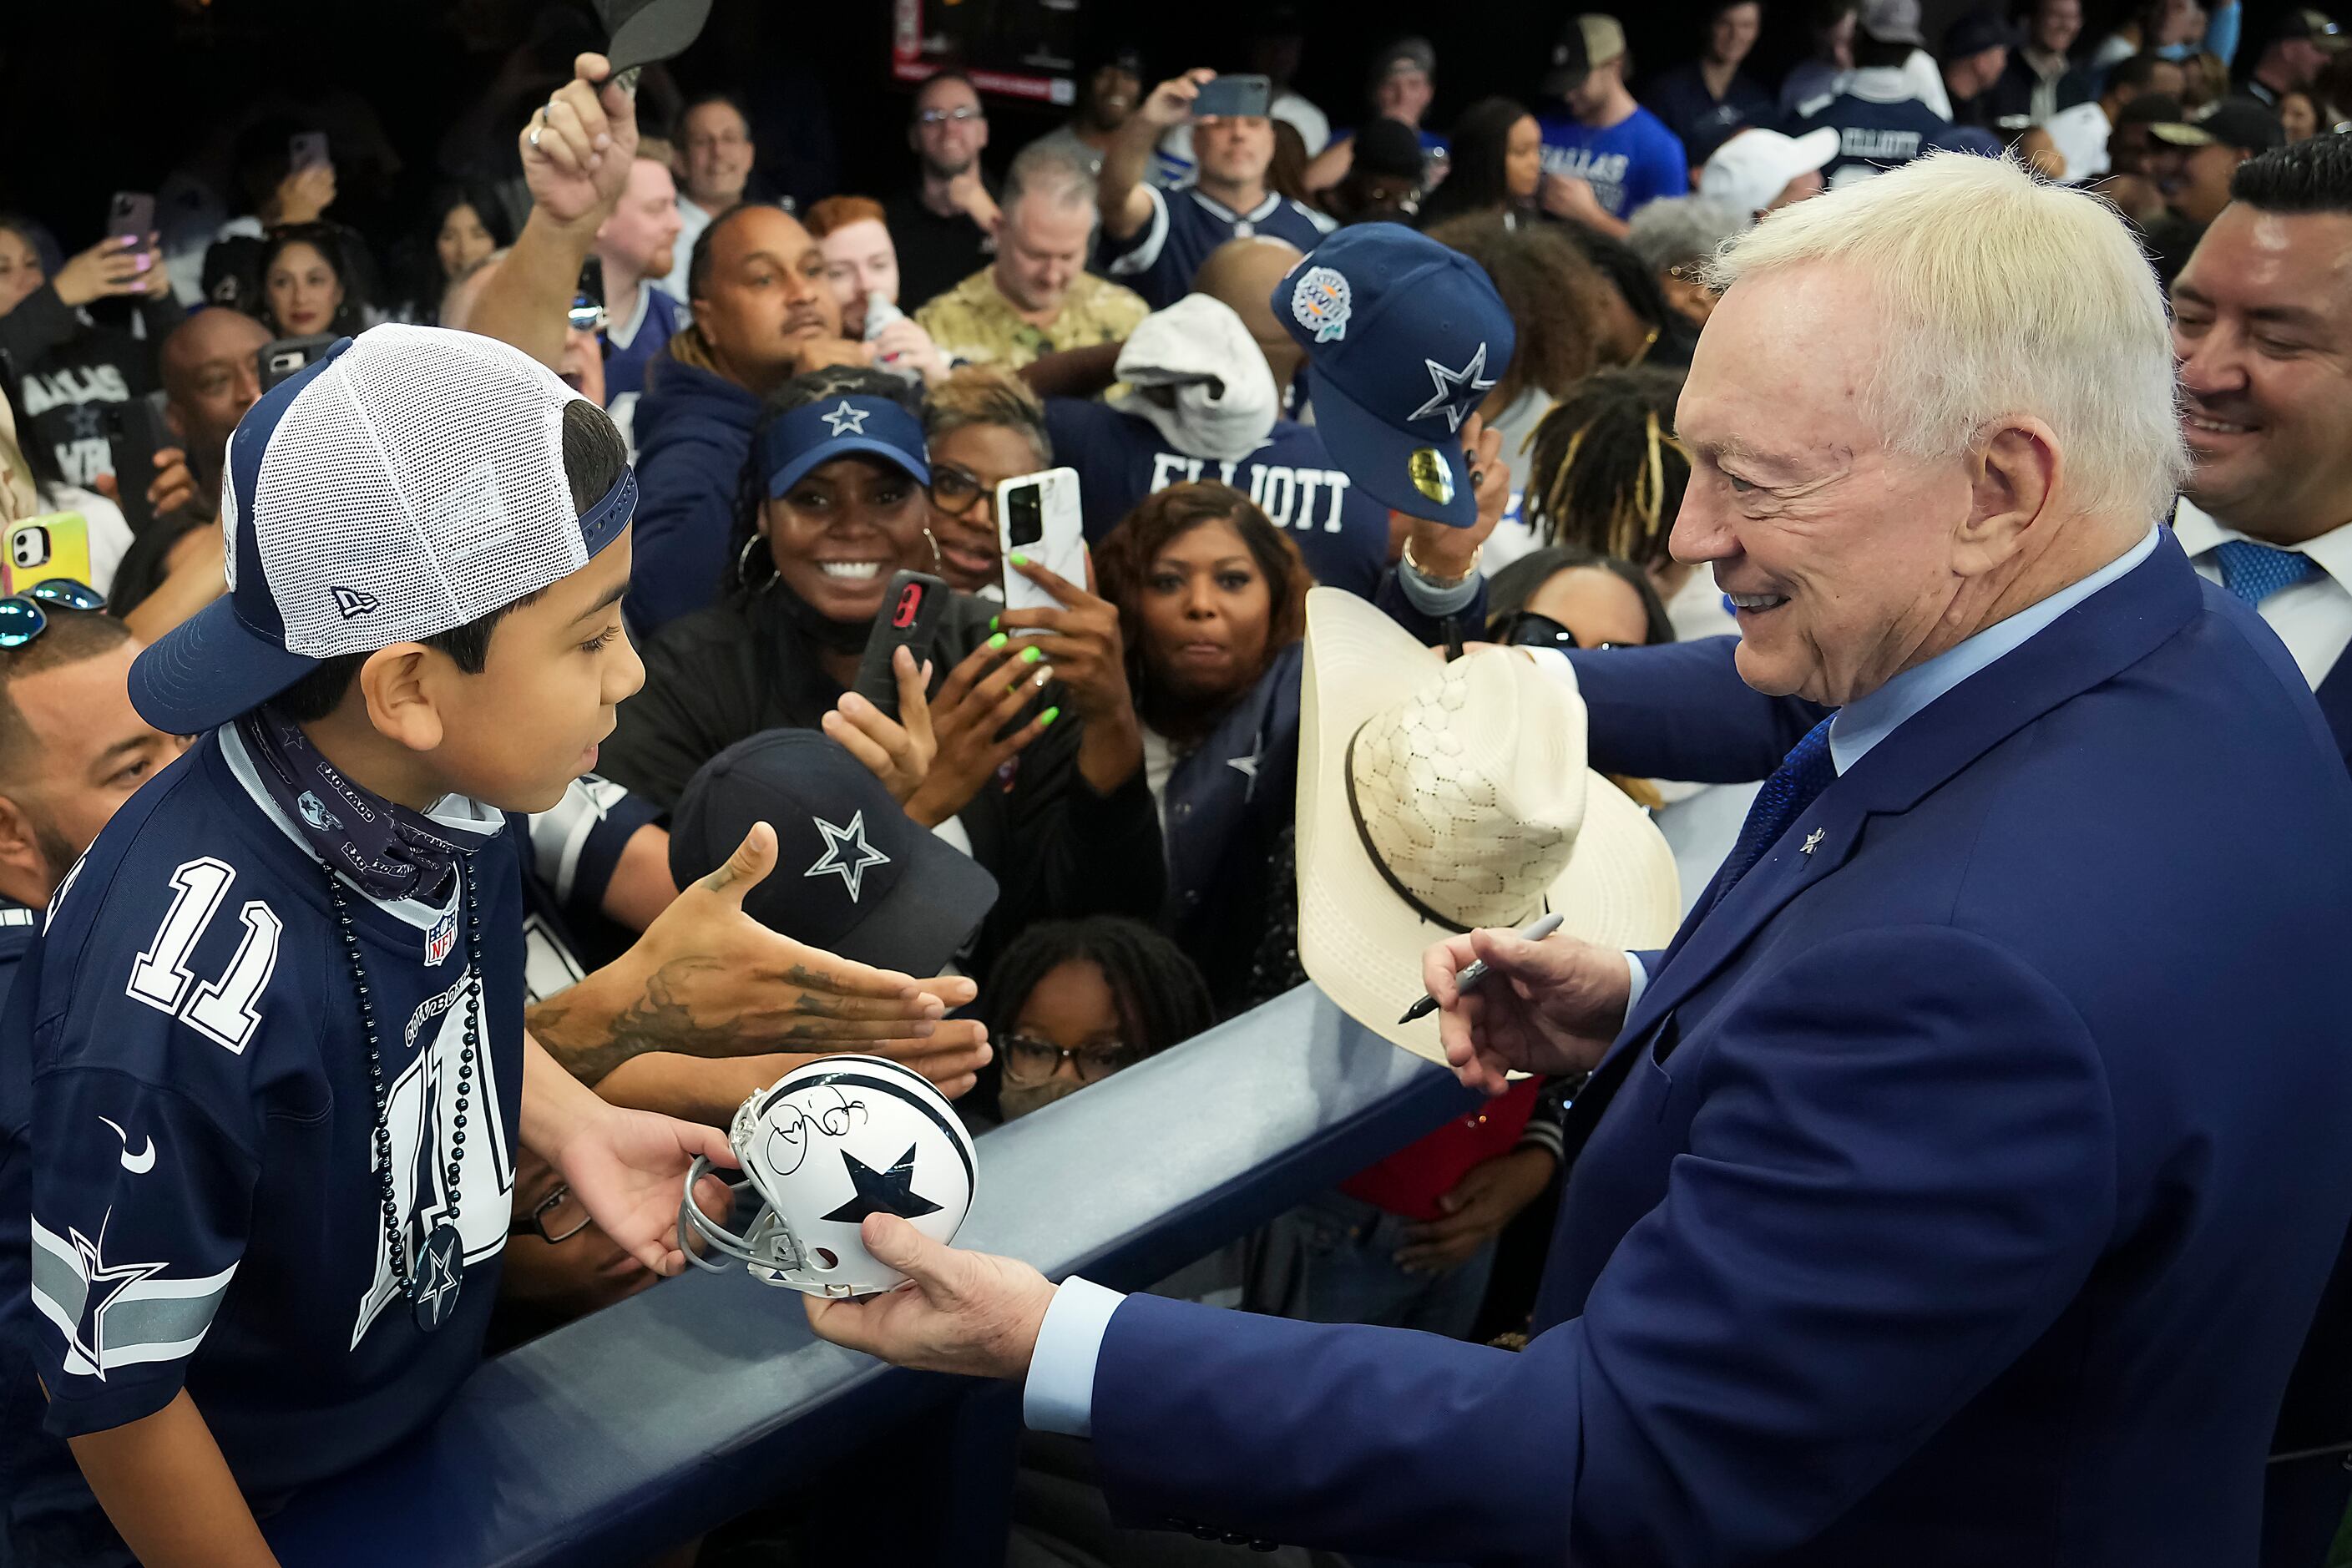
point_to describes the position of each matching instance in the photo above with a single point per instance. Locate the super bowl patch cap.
(407, 482)
(1404, 338)
(854, 874)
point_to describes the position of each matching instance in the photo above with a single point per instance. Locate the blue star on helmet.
(846, 420)
(1457, 391)
(882, 1191)
(851, 870)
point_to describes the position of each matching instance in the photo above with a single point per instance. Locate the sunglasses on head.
(22, 618)
(1526, 628)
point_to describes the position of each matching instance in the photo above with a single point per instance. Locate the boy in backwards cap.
(263, 1085)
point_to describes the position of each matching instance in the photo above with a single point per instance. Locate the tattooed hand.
(708, 980)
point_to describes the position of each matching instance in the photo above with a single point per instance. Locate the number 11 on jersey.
(221, 1010)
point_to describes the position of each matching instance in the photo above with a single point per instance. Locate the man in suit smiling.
(1959, 1185)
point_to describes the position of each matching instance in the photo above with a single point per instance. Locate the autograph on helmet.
(788, 1142)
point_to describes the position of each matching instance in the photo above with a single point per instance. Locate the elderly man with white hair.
(1958, 1185)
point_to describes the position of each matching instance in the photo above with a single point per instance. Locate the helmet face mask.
(823, 1147)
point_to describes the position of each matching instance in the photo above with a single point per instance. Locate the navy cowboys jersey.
(189, 1195)
(1158, 259)
(18, 926)
(575, 846)
(1120, 458)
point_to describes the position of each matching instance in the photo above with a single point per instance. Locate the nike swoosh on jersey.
(142, 1162)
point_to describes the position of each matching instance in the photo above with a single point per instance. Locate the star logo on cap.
(1456, 390)
(882, 1191)
(846, 420)
(851, 870)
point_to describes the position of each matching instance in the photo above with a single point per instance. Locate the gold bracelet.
(1434, 581)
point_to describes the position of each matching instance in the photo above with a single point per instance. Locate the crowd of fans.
(1121, 766)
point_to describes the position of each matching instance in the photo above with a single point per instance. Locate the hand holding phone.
(909, 618)
(306, 150)
(1038, 517)
(1234, 96)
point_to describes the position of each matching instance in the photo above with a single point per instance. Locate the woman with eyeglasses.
(1069, 1003)
(983, 427)
(1018, 743)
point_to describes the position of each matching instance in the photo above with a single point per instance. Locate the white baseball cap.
(1751, 169)
(408, 482)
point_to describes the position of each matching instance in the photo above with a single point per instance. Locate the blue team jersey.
(1342, 533)
(1875, 135)
(189, 1193)
(658, 318)
(18, 926)
(1628, 165)
(1158, 259)
(575, 845)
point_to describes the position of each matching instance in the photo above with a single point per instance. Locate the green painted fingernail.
(991, 622)
(996, 641)
(1030, 655)
(1047, 717)
(1018, 559)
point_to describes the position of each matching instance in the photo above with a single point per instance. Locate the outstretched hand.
(1549, 1006)
(967, 1312)
(627, 1168)
(577, 149)
(708, 979)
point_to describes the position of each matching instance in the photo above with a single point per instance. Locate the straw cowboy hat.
(1436, 797)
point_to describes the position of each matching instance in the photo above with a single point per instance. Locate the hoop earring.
(743, 563)
(939, 569)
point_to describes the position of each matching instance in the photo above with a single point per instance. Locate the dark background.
(102, 95)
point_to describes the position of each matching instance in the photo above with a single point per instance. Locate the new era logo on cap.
(1404, 337)
(425, 463)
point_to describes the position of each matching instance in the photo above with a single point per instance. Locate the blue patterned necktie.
(2254, 572)
(1802, 774)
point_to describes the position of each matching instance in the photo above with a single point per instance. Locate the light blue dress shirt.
(1059, 1393)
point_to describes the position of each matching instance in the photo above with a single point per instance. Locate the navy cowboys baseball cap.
(406, 483)
(816, 432)
(1404, 337)
(854, 874)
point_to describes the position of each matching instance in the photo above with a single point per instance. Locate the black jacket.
(1056, 848)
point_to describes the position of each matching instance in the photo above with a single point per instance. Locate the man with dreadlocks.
(1606, 473)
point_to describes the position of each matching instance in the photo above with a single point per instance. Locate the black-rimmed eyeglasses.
(1028, 1060)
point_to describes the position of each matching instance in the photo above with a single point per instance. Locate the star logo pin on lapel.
(1812, 842)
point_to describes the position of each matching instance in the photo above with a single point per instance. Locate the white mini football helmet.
(825, 1145)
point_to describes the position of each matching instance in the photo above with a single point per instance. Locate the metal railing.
(657, 1419)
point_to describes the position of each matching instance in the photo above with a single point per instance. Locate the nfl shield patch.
(440, 939)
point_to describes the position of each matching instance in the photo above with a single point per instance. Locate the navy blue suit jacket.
(1967, 1199)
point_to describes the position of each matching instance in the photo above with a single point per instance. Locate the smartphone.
(909, 618)
(1037, 516)
(287, 356)
(588, 296)
(1234, 97)
(40, 548)
(132, 217)
(306, 150)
